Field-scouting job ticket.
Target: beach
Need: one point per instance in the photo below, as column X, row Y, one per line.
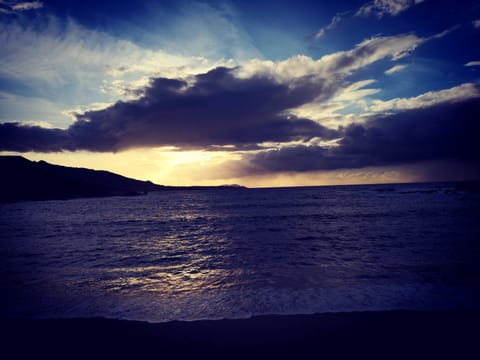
column 391, row 334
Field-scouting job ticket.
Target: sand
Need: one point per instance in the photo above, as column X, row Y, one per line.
column 386, row 335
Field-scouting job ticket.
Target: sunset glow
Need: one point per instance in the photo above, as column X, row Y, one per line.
column 220, row 92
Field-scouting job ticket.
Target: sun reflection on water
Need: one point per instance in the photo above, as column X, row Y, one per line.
column 191, row 255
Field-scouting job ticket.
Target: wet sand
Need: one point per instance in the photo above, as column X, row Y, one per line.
column 387, row 335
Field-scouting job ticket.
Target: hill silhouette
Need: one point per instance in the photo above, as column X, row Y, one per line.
column 23, row 179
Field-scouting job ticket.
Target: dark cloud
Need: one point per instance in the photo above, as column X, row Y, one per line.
column 218, row 109
column 443, row 132
column 23, row 138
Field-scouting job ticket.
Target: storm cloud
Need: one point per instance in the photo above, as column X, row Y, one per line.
column 447, row 131
column 215, row 108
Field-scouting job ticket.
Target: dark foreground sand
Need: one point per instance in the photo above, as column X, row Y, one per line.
column 383, row 335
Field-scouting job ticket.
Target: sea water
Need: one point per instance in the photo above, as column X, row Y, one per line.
column 235, row 253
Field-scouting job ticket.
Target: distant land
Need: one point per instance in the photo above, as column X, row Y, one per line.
column 23, row 180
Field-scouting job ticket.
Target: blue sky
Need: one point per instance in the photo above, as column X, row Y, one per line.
column 259, row 93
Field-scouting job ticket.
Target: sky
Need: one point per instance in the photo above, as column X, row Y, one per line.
column 257, row 93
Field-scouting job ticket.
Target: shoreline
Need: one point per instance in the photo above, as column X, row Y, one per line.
column 382, row 334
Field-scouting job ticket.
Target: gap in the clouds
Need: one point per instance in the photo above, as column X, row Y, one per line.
column 445, row 58
column 420, row 75
column 188, row 168
column 352, row 109
column 16, row 87
column 163, row 166
column 400, row 84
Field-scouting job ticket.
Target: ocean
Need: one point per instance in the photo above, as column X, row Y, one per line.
column 236, row 253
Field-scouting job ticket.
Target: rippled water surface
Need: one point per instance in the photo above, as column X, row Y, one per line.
column 240, row 252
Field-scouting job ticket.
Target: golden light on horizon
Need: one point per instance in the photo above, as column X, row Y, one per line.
column 167, row 166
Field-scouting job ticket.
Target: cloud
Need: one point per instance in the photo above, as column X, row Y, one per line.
column 444, row 33
column 336, row 65
column 455, row 94
column 333, row 23
column 65, row 62
column 10, row 7
column 326, row 112
column 23, row 6
column 443, row 132
column 476, row 24
column 57, row 54
column 378, row 8
column 218, row 109
column 241, row 106
column 395, row 69
column 23, row 138
column 381, row 8
column 473, row 63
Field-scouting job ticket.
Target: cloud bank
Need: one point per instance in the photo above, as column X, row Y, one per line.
column 218, row 109
column 447, row 131
column 455, row 94
column 251, row 108
column 226, row 106
column 73, row 65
